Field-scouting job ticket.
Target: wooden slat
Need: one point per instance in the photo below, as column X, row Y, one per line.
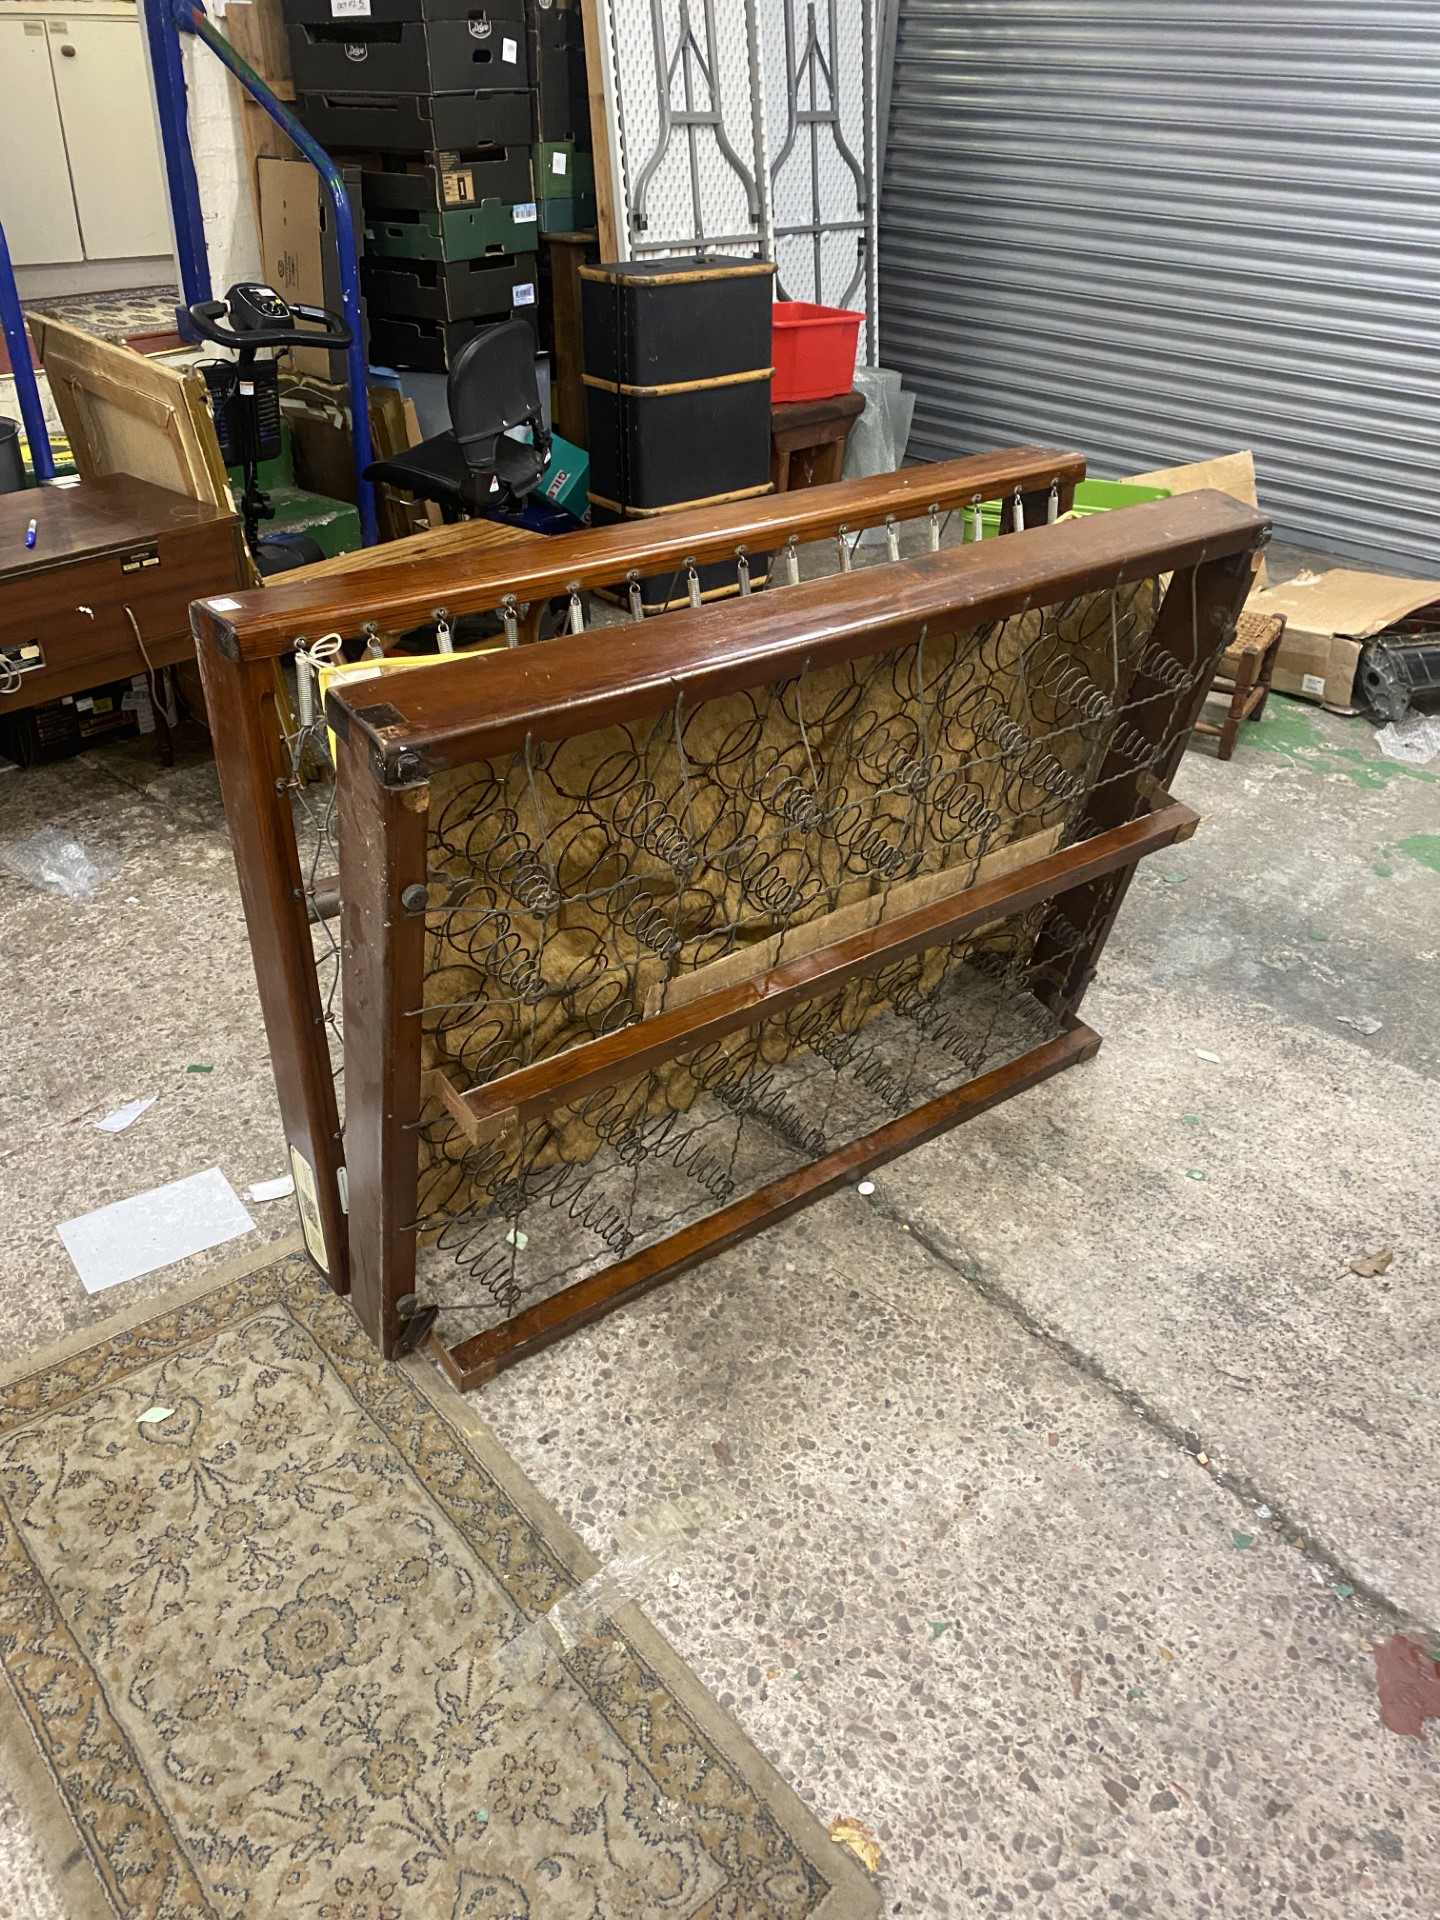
column 398, row 586
column 382, row 857
column 478, row 1359
column 245, row 730
column 466, row 710
column 565, row 1078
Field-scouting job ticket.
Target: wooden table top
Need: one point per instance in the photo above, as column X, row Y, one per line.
column 96, row 517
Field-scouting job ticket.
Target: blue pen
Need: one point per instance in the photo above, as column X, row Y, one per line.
column 30, row 534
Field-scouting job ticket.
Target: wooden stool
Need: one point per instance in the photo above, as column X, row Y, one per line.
column 807, row 440
column 1245, row 670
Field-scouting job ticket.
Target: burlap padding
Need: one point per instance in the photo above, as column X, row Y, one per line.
column 583, row 876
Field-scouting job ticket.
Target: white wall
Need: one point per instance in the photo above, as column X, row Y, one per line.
column 231, row 239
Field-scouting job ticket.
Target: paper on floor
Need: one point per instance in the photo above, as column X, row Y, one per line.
column 153, row 1229
column 125, row 1116
column 271, row 1189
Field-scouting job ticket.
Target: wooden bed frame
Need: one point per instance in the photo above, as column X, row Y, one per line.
column 407, row 740
column 478, row 567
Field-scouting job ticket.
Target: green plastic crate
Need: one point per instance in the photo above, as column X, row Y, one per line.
column 562, row 172
column 1091, row 496
column 459, row 233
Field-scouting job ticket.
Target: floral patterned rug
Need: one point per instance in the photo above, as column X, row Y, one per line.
column 277, row 1636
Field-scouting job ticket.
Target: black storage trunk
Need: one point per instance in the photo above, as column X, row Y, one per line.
column 410, row 56
column 661, row 322
column 441, row 181
column 679, row 449
column 416, row 122
column 562, row 94
column 427, row 346
column 448, row 290
column 677, row 377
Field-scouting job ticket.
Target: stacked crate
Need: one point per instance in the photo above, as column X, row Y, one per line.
column 564, row 169
column 433, row 97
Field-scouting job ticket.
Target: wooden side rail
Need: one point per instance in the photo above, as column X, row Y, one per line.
column 478, row 1359
column 404, row 591
column 463, row 710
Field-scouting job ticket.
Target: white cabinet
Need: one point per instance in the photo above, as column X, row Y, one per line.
column 104, row 95
column 80, row 170
column 37, row 204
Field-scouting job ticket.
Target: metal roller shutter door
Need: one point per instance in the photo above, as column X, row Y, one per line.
column 1163, row 230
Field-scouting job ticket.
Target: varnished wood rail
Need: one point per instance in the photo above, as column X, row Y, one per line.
column 405, row 591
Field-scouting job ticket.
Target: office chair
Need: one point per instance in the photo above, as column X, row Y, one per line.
column 476, row 466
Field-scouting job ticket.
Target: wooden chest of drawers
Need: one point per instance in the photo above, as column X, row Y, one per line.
column 101, row 549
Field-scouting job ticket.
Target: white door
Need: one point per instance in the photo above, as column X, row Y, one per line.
column 36, row 204
column 104, row 94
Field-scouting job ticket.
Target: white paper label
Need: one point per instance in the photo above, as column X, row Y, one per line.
column 349, row 9
column 510, row 50
column 559, row 162
column 222, row 606
column 523, row 295
column 308, row 1201
column 1312, row 683
column 525, row 211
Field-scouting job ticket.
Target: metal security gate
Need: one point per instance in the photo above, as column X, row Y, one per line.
column 1158, row 230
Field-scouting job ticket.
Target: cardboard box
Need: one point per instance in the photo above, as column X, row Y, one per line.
column 1328, row 617
column 298, row 247
column 1232, row 473
column 566, row 481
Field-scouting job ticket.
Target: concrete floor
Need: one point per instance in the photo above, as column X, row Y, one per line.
column 963, row 1575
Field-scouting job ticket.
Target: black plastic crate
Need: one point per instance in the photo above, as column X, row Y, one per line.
column 484, row 55
column 443, row 181
column 416, row 122
column 427, row 346
column 442, row 290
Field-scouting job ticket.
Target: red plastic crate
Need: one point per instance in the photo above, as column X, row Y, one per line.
column 814, row 351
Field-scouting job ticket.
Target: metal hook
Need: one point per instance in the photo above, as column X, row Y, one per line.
column 1017, row 513
column 637, row 604
column 692, row 582
column 1052, row 512
column 843, row 548
column 934, row 529
column 510, row 618
column 892, row 537
column 792, row 561
column 444, row 639
column 577, row 612
column 977, row 519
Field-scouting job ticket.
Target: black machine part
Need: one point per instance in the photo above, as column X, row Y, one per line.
column 260, row 320
column 1397, row 669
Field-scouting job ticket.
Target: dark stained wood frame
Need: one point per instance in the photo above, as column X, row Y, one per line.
column 240, row 639
column 451, row 716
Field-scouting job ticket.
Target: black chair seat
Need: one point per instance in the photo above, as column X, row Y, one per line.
column 436, row 470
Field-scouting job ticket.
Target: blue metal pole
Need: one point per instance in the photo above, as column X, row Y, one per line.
column 168, row 70
column 190, row 18
column 27, row 392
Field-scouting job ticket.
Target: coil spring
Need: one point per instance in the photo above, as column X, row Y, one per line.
column 760, row 1099
column 1172, row 674
column 523, row 875
column 1131, row 744
column 651, row 825
column 1069, row 686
